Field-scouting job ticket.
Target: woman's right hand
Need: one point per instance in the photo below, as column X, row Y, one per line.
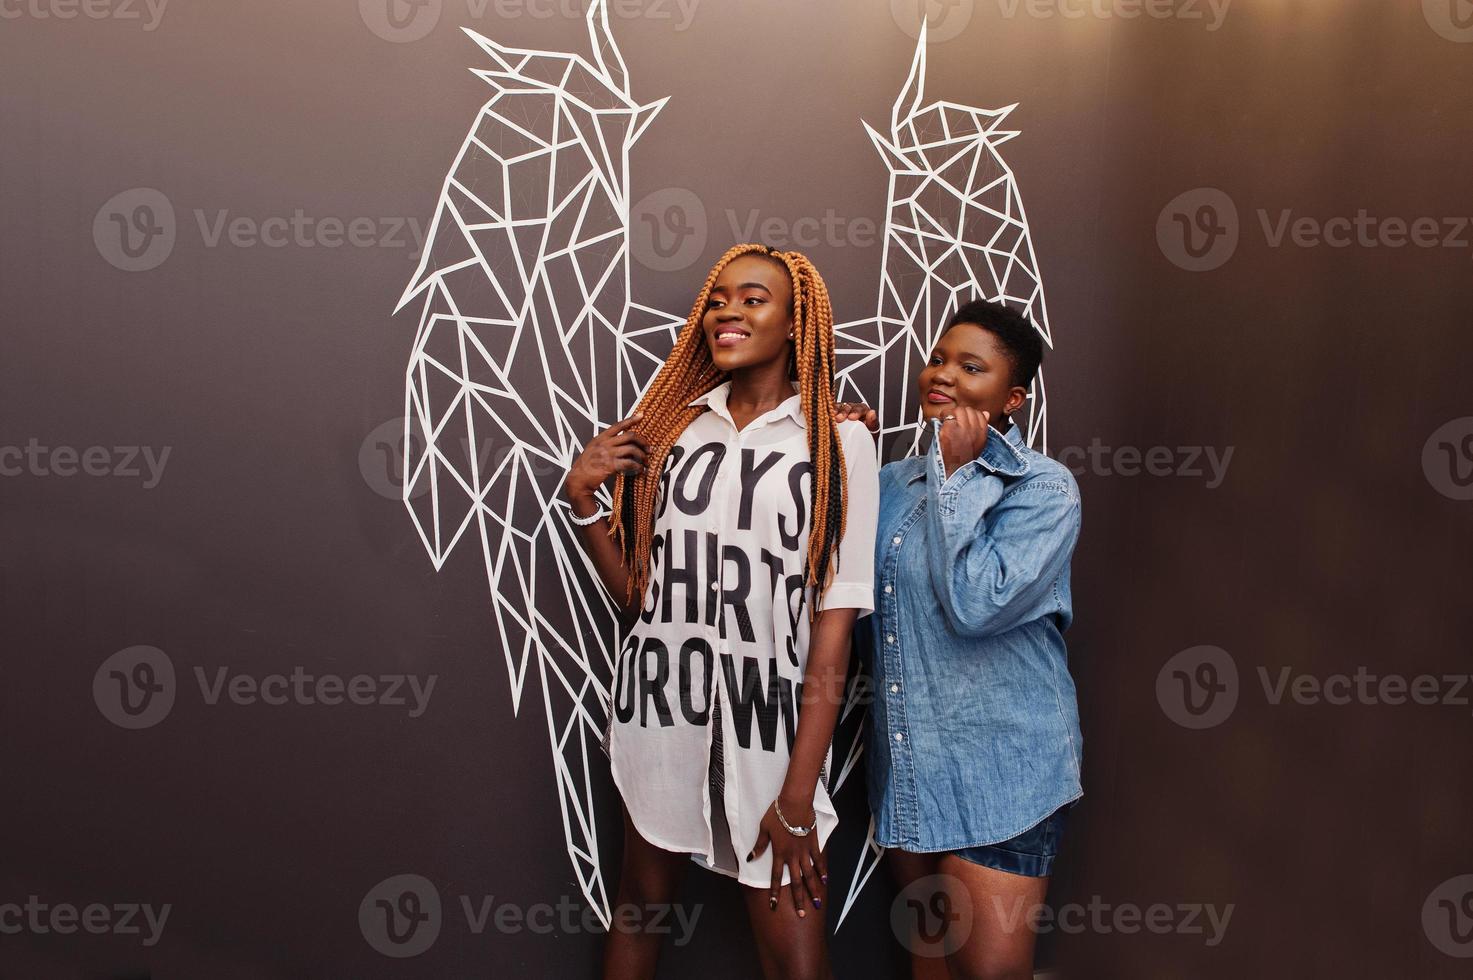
column 617, row 449
column 857, row 412
column 963, row 436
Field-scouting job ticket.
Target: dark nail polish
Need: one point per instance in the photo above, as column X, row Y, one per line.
column 772, row 904
column 818, row 903
column 750, row 855
column 824, row 879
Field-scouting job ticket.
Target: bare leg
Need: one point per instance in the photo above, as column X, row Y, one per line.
column 1000, row 943
column 906, row 869
column 650, row 876
column 789, row 948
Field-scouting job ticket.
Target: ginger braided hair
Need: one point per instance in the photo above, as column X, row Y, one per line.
column 689, row 373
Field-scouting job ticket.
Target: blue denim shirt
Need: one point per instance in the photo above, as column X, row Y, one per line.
column 973, row 736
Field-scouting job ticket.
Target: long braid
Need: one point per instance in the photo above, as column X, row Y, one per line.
column 689, row 373
column 813, row 332
column 686, row 374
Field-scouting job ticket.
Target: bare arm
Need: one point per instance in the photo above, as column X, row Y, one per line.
column 824, row 676
column 618, row 449
column 823, row 694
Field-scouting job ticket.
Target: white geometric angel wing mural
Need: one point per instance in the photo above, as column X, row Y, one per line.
column 529, row 340
column 955, row 231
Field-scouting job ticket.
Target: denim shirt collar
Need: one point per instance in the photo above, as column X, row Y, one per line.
column 1002, row 455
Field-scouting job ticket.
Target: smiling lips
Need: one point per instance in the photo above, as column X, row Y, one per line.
column 937, row 398
column 730, row 336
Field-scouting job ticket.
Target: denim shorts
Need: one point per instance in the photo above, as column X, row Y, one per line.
column 1031, row 853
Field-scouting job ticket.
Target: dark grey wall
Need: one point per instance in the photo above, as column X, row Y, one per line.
column 272, row 539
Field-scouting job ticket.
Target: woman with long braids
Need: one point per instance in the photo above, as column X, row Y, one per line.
column 739, row 546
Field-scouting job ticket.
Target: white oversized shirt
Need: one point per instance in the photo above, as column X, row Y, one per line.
column 720, row 619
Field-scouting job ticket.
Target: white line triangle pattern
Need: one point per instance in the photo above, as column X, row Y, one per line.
column 529, row 343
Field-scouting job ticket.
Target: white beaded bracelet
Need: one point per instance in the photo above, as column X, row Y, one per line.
column 591, row 518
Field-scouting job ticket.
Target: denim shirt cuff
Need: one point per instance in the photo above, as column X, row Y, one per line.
column 999, row 458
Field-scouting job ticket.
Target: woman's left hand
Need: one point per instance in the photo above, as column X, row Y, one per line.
column 801, row 856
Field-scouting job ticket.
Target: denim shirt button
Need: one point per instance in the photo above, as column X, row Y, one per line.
column 900, row 736
column 894, row 688
column 895, row 540
column 888, row 589
column 890, row 638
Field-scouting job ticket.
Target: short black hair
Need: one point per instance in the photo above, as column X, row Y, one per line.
column 1014, row 331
